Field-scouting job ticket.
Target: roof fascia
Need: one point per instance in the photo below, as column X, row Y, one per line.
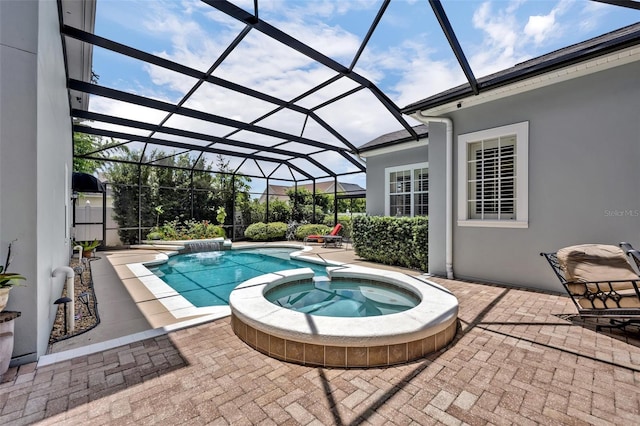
column 391, row 147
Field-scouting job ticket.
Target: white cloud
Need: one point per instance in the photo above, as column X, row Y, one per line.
column 591, row 15
column 540, row 27
column 498, row 48
column 509, row 39
column 409, row 71
column 423, row 76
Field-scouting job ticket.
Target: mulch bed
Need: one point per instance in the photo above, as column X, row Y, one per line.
column 86, row 316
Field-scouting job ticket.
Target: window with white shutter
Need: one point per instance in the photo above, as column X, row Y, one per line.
column 492, row 173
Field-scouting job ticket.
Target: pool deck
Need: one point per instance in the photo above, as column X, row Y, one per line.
column 518, row 358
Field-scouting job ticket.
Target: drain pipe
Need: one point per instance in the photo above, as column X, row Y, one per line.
column 70, row 319
column 448, row 187
column 79, row 248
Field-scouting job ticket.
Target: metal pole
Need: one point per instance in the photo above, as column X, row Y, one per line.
column 139, row 203
column 295, row 199
column 191, row 192
column 313, row 206
column 233, row 206
column 335, row 200
column 104, row 216
column 266, row 219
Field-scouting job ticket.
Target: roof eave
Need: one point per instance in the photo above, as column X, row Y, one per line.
column 392, row 146
column 80, row 14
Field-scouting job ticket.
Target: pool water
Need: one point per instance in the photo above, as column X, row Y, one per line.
column 207, row 278
column 342, row 298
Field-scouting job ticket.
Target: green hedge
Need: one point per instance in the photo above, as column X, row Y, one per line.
column 397, row 241
column 260, row 231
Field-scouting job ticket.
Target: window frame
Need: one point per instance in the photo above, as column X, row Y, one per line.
column 521, row 132
column 411, row 168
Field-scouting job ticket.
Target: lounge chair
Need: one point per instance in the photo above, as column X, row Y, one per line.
column 634, row 255
column 332, row 236
column 600, row 282
column 332, row 240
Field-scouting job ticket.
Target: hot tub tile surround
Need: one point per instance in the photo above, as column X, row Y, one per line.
column 344, row 342
column 343, row 356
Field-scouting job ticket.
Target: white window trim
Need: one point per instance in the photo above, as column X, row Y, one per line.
column 388, row 171
column 521, row 130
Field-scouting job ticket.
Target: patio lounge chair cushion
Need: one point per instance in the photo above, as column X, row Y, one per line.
column 596, row 263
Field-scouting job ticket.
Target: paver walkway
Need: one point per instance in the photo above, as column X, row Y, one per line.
column 515, row 360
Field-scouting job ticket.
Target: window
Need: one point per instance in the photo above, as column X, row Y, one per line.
column 407, row 190
column 493, row 177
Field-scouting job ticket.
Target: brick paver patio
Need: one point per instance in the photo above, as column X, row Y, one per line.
column 516, row 360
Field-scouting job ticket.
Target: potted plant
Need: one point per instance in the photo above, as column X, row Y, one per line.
column 7, row 280
column 87, row 247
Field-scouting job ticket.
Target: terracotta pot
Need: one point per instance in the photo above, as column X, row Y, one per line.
column 4, row 297
column 87, row 253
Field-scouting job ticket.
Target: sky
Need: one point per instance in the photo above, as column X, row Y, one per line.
column 408, row 58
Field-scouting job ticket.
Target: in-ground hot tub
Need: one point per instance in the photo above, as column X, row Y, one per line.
column 332, row 341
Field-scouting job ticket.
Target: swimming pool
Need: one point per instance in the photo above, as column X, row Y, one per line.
column 207, row 278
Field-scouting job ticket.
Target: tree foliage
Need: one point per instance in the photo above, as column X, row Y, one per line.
column 84, row 144
column 94, row 146
column 229, row 187
column 279, row 211
column 353, row 205
column 301, row 202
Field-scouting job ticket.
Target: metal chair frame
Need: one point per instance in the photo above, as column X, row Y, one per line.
column 619, row 316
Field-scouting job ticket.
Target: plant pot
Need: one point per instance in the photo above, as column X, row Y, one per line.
column 87, row 253
column 4, row 297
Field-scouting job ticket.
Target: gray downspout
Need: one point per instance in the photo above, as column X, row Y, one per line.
column 448, row 187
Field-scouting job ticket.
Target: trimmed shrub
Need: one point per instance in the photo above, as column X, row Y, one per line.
column 400, row 241
column 311, row 229
column 203, row 229
column 260, row 231
column 154, row 236
column 188, row 230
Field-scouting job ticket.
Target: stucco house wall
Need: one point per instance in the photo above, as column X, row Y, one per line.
column 375, row 174
column 584, row 152
column 35, row 166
